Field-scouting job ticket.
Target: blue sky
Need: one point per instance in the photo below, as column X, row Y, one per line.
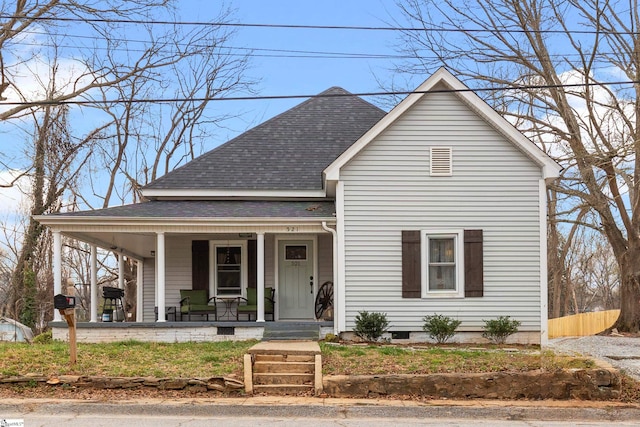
column 279, row 75
column 292, row 76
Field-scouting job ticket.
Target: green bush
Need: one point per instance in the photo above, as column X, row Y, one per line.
column 440, row 328
column 331, row 338
column 43, row 338
column 371, row 326
column 499, row 329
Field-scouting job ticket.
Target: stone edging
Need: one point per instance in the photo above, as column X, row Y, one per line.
column 221, row 384
column 585, row 384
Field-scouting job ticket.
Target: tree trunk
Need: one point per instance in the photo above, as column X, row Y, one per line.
column 629, row 320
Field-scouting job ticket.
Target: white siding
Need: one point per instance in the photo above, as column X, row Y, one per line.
column 149, row 292
column 178, row 262
column 494, row 187
column 325, row 258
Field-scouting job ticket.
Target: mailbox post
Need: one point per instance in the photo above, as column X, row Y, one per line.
column 67, row 307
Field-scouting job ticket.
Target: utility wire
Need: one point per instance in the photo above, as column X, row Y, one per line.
column 277, row 53
column 334, row 95
column 307, row 27
column 272, row 53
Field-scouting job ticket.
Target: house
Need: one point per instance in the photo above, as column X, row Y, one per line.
column 438, row 206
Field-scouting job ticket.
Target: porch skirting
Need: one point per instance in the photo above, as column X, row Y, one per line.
column 99, row 332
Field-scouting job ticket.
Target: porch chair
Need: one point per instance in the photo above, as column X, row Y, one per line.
column 196, row 302
column 249, row 305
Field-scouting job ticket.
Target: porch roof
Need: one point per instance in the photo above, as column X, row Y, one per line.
column 210, row 209
column 132, row 228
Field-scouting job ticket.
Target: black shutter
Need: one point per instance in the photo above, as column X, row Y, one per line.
column 473, row 264
column 411, row 281
column 200, row 264
column 252, row 259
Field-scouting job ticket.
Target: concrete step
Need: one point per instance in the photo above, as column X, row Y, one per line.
column 283, row 379
column 284, row 358
column 281, row 389
column 284, row 367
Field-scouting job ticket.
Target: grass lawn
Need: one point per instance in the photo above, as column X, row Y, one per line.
column 357, row 360
column 126, row 359
column 202, row 360
column 133, row 358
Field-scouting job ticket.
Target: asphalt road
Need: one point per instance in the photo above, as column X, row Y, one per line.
column 154, row 421
column 313, row 412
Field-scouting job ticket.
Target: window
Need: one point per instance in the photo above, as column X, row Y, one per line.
column 229, row 274
column 468, row 264
column 442, row 264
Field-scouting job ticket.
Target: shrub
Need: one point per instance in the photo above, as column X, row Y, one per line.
column 43, row 338
column 499, row 329
column 371, row 326
column 440, row 327
column 331, row 338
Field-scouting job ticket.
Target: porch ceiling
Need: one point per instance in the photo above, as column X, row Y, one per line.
column 135, row 245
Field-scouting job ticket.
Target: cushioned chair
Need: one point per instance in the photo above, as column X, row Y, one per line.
column 196, row 302
column 249, row 305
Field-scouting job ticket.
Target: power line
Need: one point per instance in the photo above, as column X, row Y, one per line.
column 277, row 53
column 308, row 27
column 282, row 97
column 286, row 53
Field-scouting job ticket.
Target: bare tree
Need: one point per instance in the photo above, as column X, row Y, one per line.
column 56, row 162
column 553, row 67
column 110, row 60
column 594, row 273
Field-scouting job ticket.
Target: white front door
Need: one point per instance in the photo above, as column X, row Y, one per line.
column 295, row 279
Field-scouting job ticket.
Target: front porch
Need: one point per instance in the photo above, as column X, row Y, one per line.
column 170, row 332
column 233, row 251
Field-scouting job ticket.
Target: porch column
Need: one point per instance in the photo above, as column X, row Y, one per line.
column 94, row 283
column 120, row 271
column 139, row 290
column 260, row 276
column 57, row 270
column 160, row 270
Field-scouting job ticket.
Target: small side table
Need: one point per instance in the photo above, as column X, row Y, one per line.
column 229, row 304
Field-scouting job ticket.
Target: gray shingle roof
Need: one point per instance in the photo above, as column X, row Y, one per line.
column 287, row 152
column 214, row 209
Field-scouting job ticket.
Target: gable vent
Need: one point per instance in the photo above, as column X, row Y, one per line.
column 440, row 161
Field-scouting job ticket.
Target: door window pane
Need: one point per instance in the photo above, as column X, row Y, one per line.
column 295, row 252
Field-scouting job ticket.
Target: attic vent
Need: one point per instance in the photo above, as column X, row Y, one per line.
column 440, row 161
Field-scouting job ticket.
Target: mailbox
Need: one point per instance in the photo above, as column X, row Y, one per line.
column 62, row 302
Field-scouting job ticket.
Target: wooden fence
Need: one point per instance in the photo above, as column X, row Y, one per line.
column 583, row 324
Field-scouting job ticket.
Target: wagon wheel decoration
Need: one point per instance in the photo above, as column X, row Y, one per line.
column 324, row 298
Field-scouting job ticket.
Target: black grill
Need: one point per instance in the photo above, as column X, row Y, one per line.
column 109, row 292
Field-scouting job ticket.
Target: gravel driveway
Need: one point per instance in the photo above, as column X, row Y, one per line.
column 621, row 352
